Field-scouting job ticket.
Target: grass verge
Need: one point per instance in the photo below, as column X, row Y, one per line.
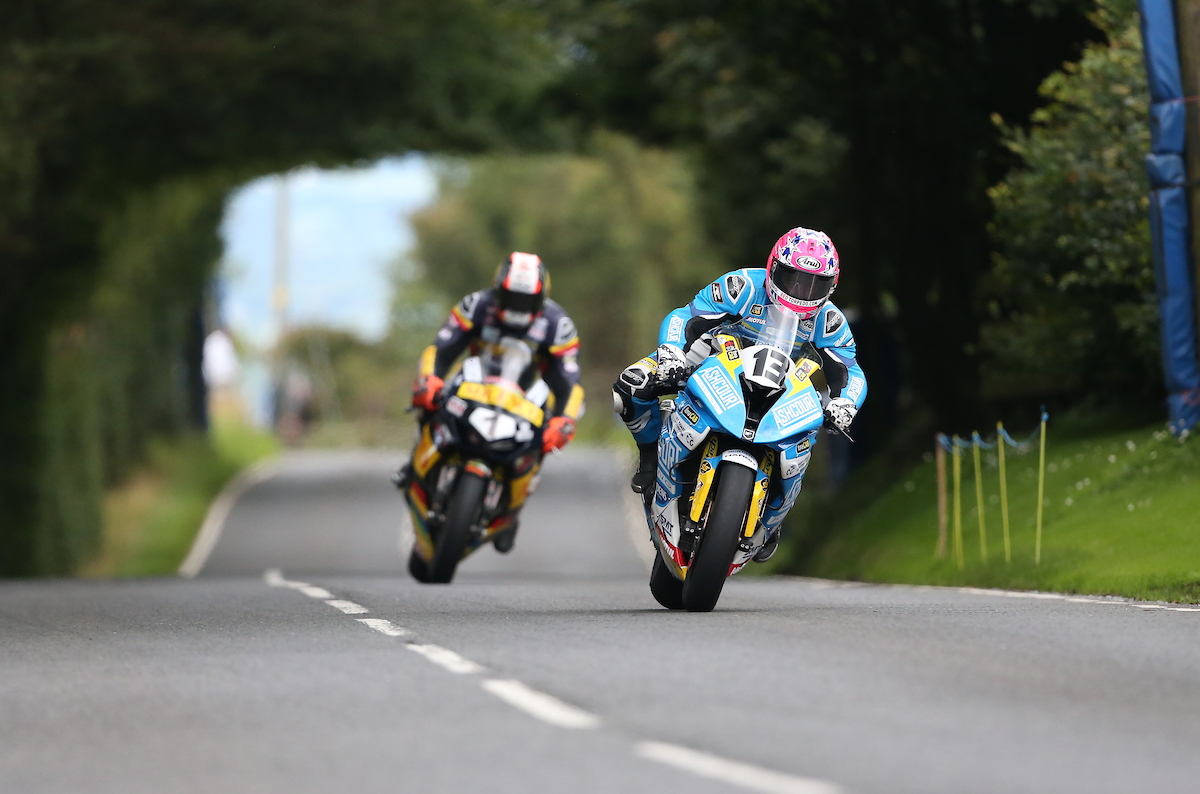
column 1121, row 517
column 151, row 520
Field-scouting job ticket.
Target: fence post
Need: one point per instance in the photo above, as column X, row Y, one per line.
column 983, row 553
column 1037, row 550
column 940, row 454
column 958, row 542
column 1003, row 492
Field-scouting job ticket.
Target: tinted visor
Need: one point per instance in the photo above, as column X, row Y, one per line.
column 520, row 302
column 801, row 285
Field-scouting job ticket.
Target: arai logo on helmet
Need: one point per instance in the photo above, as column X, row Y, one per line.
column 810, row 263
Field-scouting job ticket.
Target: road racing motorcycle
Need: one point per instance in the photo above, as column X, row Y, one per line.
column 732, row 453
column 476, row 462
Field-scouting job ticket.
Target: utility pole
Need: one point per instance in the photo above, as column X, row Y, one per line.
column 279, row 292
column 1187, row 22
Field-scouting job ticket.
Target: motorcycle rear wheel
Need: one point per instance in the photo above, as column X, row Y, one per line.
column 719, row 541
column 666, row 589
column 465, row 503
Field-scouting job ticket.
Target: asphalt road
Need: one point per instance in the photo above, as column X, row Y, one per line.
column 552, row 669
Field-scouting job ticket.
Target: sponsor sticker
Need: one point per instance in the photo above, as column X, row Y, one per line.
column 718, row 389
column 675, row 328
column 833, row 320
column 792, row 414
column 716, row 292
column 456, row 406
column 731, row 350
column 689, row 413
column 803, row 446
column 756, row 310
column 734, row 286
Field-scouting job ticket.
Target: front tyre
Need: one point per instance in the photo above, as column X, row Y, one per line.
column 455, row 534
column 418, row 568
column 719, row 541
column 666, row 589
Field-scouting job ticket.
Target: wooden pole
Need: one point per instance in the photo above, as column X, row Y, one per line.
column 1003, row 492
column 979, row 500
column 958, row 541
column 940, row 453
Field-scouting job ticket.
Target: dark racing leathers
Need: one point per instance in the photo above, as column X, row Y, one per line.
column 473, row 326
column 737, row 300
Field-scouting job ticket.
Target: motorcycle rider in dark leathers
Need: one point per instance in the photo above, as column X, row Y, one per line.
column 516, row 306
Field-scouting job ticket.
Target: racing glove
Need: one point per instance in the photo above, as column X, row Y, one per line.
column 672, row 365
column 427, row 392
column 558, row 433
column 840, row 412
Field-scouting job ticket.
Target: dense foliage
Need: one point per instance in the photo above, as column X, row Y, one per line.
column 1072, row 293
column 104, row 101
column 617, row 228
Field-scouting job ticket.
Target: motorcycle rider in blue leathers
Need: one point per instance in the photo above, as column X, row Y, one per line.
column 801, row 274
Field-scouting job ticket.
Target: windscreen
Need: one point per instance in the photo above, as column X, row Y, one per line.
column 779, row 329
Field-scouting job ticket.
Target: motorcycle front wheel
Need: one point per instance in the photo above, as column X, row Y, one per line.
column 465, row 503
column 719, row 540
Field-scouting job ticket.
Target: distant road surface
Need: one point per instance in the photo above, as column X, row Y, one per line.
column 303, row 659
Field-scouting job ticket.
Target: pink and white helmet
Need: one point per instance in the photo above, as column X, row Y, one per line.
column 802, row 271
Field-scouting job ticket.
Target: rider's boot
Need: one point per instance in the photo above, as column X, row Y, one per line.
column 647, row 470
column 403, row 477
column 504, row 541
column 768, row 549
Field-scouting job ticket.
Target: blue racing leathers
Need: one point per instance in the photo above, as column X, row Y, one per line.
column 738, row 300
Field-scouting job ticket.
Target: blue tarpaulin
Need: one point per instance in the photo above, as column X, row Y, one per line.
column 1173, row 273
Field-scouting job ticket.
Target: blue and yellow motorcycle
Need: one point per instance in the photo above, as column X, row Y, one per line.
column 732, row 454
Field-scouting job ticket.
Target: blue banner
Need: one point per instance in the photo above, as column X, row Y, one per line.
column 1173, row 272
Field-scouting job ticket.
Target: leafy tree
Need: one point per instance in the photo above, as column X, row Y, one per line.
column 869, row 118
column 617, row 229
column 1073, row 285
column 103, row 101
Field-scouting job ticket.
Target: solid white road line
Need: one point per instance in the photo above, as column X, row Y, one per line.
column 444, row 657
column 214, row 520
column 732, row 772
column 538, row 704
column 383, row 626
column 349, row 607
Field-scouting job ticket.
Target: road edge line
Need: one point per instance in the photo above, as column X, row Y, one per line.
column 214, row 520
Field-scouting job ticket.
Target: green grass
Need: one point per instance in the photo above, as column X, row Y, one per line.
column 1122, row 517
column 151, row 520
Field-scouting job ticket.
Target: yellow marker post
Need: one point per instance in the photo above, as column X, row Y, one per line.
column 979, row 499
column 958, row 544
column 1037, row 546
column 940, row 452
column 1003, row 492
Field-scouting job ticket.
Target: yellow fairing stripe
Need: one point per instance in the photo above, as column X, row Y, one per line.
column 704, row 481
column 760, row 493
column 426, row 453
column 565, row 346
column 492, row 394
column 428, row 361
column 464, row 322
column 575, row 403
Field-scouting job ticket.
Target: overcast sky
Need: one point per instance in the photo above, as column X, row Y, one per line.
column 347, row 226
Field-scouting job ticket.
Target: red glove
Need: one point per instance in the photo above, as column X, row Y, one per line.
column 559, row 432
column 427, row 392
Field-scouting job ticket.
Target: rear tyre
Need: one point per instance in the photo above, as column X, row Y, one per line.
column 418, row 567
column 719, row 541
column 455, row 533
column 666, row 589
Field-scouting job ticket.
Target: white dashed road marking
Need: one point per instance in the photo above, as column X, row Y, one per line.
column 444, row 657
column 732, row 772
column 384, row 626
column 550, row 709
column 538, row 704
